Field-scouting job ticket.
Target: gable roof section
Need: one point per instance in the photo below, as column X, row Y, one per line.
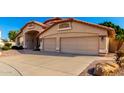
column 111, row 31
column 35, row 22
column 52, row 19
column 57, row 20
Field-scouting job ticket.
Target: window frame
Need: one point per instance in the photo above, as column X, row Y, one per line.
column 67, row 28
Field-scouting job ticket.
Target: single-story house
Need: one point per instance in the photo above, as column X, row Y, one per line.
column 66, row 35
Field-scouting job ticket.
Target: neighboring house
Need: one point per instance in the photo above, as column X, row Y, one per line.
column 1, row 40
column 66, row 36
column 1, row 43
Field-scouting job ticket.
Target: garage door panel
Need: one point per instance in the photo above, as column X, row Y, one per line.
column 80, row 45
column 49, row 44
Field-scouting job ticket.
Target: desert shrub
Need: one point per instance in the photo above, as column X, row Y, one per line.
column 8, row 44
column 36, row 49
column 17, row 47
column 119, row 55
column 5, row 48
column 122, row 63
column 20, row 47
column 106, row 69
column 14, row 47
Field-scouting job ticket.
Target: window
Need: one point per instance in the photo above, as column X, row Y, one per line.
column 65, row 26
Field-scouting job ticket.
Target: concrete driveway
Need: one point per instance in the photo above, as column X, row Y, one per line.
column 44, row 65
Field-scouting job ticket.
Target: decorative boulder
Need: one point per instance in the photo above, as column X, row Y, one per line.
column 122, row 63
column 106, row 69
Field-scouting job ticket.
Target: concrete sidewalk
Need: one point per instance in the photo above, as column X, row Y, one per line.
column 7, row 70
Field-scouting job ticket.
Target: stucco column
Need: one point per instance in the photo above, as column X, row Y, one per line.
column 104, row 44
column 107, row 44
column 16, row 40
column 24, row 42
column 41, row 44
column 58, row 44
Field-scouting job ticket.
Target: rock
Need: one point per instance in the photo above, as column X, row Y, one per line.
column 122, row 63
column 115, row 65
column 106, row 69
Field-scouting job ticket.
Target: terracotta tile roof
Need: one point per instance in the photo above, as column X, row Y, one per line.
column 110, row 30
column 35, row 22
column 52, row 19
column 57, row 20
column 39, row 23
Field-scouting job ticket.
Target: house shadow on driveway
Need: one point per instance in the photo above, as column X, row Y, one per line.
column 46, row 53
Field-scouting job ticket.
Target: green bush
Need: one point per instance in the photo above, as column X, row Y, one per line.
column 8, row 44
column 17, row 47
column 5, row 48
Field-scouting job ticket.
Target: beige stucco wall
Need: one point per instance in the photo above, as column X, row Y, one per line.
column 114, row 44
column 19, row 40
column 76, row 27
column 78, row 30
column 30, row 41
column 22, row 37
column 28, row 29
column 35, row 28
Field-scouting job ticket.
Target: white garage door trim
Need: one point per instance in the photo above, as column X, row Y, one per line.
column 49, row 44
column 67, row 46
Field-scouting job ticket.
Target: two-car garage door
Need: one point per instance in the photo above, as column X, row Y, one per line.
column 75, row 45
column 80, row 45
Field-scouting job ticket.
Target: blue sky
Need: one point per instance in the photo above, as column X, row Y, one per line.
column 16, row 23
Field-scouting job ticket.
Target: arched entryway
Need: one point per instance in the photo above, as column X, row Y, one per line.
column 31, row 42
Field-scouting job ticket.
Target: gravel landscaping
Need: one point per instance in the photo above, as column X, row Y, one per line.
column 9, row 53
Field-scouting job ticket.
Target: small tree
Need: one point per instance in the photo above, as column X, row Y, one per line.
column 12, row 35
